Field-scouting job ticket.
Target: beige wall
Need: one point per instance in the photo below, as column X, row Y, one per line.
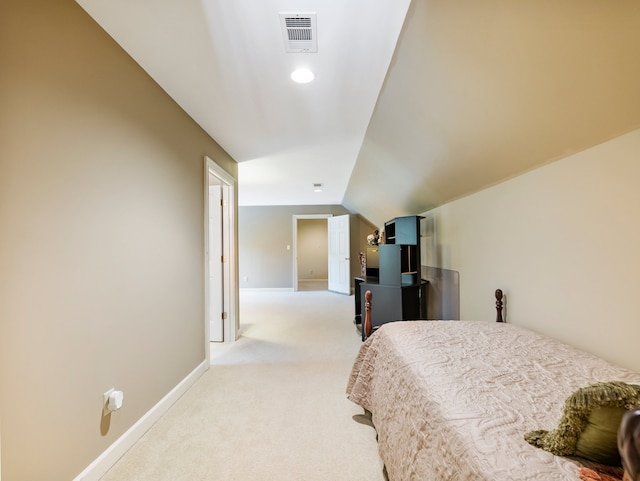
column 101, row 254
column 263, row 236
column 360, row 229
column 312, row 249
column 265, row 232
column 562, row 242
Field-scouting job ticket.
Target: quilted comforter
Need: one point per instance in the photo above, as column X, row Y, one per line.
column 452, row 400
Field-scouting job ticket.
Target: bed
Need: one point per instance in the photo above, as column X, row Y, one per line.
column 453, row 400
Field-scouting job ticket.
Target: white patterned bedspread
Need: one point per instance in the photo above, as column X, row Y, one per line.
column 452, row 400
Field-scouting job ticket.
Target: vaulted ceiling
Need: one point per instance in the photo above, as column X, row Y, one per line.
column 414, row 103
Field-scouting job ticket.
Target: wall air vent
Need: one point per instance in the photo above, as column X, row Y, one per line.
column 299, row 32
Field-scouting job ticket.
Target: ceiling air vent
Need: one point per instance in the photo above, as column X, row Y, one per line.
column 299, row 32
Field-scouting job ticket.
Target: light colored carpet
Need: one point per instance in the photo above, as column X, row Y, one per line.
column 271, row 407
column 313, row 285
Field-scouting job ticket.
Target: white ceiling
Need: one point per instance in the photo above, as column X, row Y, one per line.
column 415, row 102
column 224, row 62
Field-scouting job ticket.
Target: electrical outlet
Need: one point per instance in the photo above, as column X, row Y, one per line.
column 112, row 401
column 105, row 399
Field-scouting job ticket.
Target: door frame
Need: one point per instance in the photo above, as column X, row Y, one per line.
column 295, row 241
column 228, row 184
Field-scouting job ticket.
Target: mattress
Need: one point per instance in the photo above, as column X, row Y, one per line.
column 452, row 400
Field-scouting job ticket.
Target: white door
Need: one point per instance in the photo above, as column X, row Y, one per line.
column 339, row 261
column 222, row 321
column 216, row 274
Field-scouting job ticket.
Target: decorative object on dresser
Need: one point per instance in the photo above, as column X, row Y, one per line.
column 373, row 239
column 455, row 399
column 363, row 263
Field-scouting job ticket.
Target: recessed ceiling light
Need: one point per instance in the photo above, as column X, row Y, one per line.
column 302, row 75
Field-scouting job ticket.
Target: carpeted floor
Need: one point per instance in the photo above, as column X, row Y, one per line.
column 271, row 407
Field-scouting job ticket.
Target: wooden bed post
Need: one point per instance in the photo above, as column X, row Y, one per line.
column 367, row 314
column 499, row 306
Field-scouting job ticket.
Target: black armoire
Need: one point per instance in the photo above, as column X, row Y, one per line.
column 398, row 291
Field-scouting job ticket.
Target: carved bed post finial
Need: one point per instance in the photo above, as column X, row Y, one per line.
column 499, row 305
column 367, row 314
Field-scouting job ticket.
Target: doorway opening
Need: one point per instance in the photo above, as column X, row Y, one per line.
column 221, row 265
column 310, row 252
column 333, row 252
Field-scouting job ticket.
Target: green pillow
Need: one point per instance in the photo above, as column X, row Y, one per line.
column 589, row 424
column 599, row 438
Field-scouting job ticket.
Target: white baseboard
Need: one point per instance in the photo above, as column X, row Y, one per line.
column 113, row 453
column 266, row 289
